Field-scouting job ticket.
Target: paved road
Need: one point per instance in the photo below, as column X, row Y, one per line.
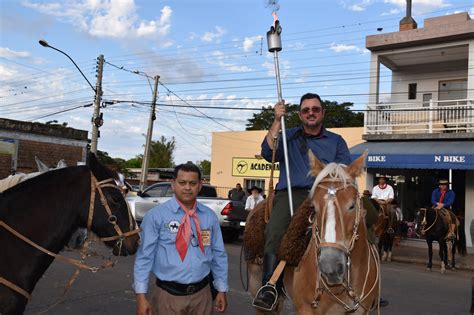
column 409, row 288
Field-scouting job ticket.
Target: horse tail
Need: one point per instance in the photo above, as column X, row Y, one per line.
column 461, row 242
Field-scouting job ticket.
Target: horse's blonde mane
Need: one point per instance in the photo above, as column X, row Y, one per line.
column 333, row 171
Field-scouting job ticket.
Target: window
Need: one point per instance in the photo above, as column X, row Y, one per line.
column 156, row 191
column 254, row 182
column 412, row 91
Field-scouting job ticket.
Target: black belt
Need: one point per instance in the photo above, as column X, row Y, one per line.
column 180, row 289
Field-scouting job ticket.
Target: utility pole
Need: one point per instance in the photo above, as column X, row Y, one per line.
column 97, row 120
column 151, row 120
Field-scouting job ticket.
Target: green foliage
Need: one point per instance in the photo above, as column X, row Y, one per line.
column 205, row 166
column 161, row 152
column 337, row 115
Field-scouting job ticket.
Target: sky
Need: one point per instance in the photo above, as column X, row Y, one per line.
column 211, row 55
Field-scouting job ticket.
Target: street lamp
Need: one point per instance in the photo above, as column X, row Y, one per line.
column 97, row 119
column 44, row 43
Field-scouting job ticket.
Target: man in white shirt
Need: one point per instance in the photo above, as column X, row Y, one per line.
column 254, row 198
column 383, row 192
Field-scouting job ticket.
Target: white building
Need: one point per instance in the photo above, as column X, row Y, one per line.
column 425, row 130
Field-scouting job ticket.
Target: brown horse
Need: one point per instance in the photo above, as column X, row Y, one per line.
column 385, row 229
column 339, row 272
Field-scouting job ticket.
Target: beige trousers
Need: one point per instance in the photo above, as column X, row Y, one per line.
column 200, row 303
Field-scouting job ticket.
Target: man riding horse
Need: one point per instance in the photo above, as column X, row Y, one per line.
column 443, row 198
column 310, row 135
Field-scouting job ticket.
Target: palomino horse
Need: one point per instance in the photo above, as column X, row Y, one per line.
column 339, row 271
column 38, row 217
column 385, row 228
column 430, row 224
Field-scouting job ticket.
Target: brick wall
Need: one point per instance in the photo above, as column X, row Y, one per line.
column 48, row 153
column 5, row 165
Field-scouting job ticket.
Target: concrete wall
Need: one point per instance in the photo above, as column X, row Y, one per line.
column 427, row 82
column 469, row 215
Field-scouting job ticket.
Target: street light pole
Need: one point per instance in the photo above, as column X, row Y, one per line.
column 97, row 120
column 149, row 134
column 44, row 43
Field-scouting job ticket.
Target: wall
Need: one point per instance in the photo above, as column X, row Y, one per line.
column 469, row 215
column 246, row 144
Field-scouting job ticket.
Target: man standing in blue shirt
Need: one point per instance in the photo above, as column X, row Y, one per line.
column 181, row 243
column 327, row 147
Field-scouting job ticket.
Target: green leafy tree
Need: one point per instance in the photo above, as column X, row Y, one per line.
column 337, row 115
column 162, row 152
column 135, row 162
column 205, row 166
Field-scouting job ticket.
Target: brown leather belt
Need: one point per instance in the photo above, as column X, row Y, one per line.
column 180, row 289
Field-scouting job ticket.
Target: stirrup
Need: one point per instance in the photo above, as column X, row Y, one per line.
column 270, row 288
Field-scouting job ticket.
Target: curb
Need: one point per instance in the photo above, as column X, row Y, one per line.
column 422, row 261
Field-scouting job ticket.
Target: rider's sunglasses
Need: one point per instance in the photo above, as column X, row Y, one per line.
column 314, row 109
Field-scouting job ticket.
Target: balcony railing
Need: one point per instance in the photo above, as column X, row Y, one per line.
column 456, row 116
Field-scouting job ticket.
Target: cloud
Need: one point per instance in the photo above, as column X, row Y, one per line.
column 216, row 36
column 106, row 18
column 357, row 6
column 6, row 52
column 391, row 12
column 220, row 59
column 421, row 6
column 343, row 47
column 249, row 41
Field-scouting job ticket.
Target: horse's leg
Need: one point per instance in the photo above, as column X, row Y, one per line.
column 453, row 254
column 380, row 247
column 429, row 241
column 443, row 254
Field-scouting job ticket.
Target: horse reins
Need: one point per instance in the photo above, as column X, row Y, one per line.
column 424, row 222
column 347, row 249
column 112, row 219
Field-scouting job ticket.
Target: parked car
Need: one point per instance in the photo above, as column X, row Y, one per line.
column 162, row 192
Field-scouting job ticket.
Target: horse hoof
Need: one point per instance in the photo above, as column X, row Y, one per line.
column 428, row 268
column 443, row 271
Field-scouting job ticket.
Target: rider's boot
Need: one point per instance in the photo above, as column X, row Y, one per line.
column 266, row 297
column 451, row 234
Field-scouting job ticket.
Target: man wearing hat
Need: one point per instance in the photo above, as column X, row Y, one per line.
column 443, row 197
column 383, row 192
column 254, row 198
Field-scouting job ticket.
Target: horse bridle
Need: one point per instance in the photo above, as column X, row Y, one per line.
column 347, row 249
column 112, row 219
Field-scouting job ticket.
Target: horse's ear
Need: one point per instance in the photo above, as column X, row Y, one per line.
column 316, row 165
column 358, row 166
column 42, row 168
column 61, row 164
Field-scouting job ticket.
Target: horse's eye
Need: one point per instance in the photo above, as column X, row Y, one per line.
column 352, row 206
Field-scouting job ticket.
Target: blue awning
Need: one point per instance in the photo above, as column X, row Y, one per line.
column 417, row 154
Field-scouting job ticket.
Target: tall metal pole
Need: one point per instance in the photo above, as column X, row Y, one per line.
column 274, row 46
column 97, row 120
column 146, row 155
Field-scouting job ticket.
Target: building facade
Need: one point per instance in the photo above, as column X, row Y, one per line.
column 425, row 130
column 21, row 141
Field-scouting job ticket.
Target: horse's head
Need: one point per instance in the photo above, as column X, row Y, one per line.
column 337, row 215
column 111, row 219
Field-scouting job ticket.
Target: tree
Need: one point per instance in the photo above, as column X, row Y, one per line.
column 337, row 115
column 161, row 152
column 205, row 166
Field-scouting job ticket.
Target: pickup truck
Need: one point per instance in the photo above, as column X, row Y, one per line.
column 228, row 212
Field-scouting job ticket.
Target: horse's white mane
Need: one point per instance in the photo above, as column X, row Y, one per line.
column 334, row 171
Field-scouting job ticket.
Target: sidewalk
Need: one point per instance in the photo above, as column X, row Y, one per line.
column 412, row 251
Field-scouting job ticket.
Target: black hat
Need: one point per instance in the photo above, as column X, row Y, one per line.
column 443, row 181
column 254, row 187
column 366, row 193
column 382, row 176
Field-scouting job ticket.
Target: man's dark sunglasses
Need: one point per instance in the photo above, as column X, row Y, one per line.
column 314, row 109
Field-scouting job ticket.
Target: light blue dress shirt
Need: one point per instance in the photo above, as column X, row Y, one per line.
column 158, row 254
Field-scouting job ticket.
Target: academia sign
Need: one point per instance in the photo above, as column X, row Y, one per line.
column 251, row 167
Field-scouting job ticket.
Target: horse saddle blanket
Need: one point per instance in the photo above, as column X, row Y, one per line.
column 448, row 216
column 294, row 242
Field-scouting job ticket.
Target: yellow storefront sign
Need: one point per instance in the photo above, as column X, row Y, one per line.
column 251, row 167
